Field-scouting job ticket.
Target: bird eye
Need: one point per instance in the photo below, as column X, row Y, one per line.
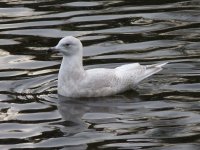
column 67, row 44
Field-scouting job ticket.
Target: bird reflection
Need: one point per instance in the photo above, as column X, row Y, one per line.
column 79, row 113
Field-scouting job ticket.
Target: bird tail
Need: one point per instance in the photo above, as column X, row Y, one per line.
column 150, row 70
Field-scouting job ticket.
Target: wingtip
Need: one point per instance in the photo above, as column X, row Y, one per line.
column 162, row 64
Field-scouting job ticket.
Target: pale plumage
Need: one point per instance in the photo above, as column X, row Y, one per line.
column 74, row 81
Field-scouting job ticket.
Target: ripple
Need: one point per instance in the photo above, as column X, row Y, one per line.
column 8, row 42
column 45, row 32
column 82, row 4
column 18, row 12
column 22, row 62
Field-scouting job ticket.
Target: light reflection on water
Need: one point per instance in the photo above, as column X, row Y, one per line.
column 163, row 112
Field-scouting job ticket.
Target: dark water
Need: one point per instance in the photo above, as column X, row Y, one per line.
column 162, row 114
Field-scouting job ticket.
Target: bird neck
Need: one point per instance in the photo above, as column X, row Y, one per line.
column 71, row 67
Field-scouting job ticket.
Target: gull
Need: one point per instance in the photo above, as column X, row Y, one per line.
column 76, row 82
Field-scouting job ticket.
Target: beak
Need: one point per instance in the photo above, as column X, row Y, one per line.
column 52, row 50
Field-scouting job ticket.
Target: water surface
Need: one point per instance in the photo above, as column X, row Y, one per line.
column 161, row 114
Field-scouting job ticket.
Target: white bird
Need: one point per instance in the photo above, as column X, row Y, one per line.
column 74, row 81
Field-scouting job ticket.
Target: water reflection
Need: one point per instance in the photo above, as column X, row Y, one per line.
column 127, row 118
column 77, row 111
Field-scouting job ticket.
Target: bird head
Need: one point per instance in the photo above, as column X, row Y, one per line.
column 68, row 46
